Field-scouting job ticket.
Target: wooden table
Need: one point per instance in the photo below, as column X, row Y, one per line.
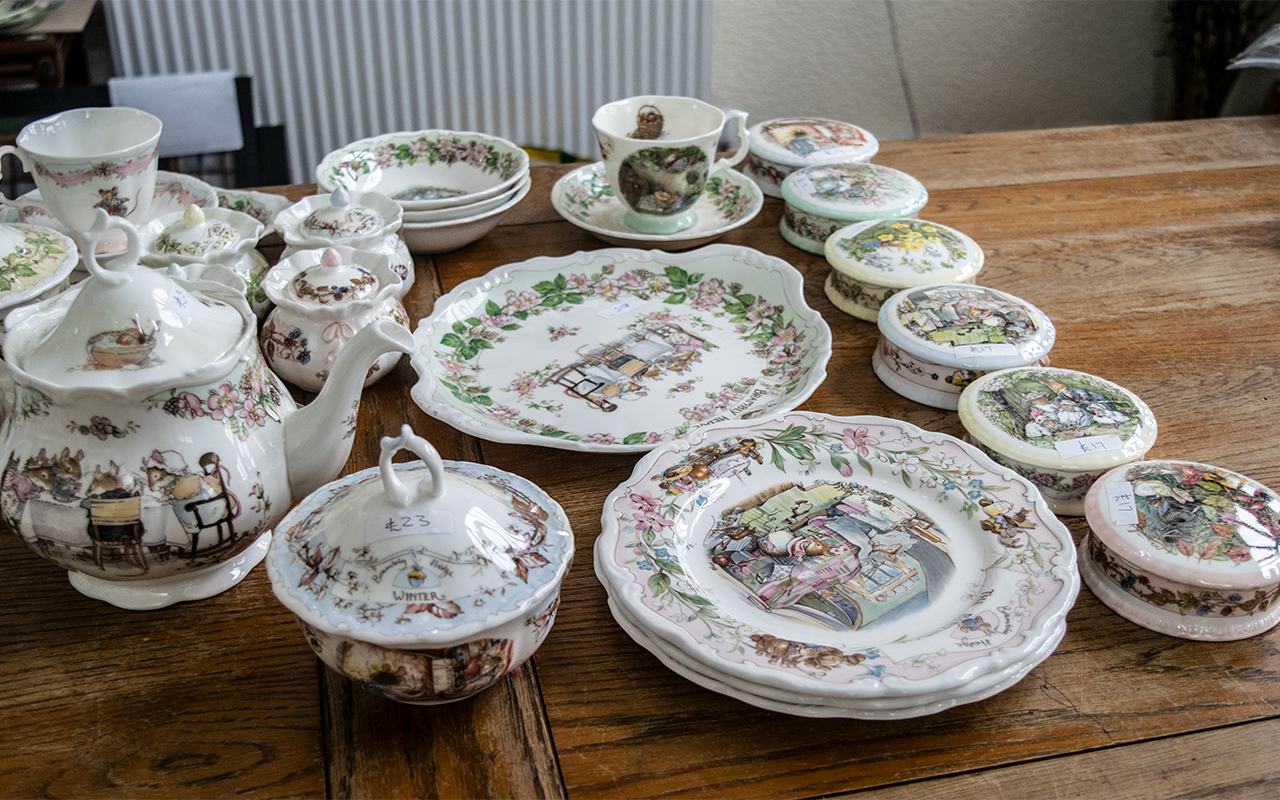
column 1156, row 251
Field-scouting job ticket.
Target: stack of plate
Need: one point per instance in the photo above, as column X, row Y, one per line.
column 836, row 566
column 454, row 186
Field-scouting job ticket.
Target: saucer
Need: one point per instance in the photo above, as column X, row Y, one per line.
column 585, row 198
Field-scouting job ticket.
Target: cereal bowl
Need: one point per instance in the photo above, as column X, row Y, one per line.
column 424, row 170
column 450, row 234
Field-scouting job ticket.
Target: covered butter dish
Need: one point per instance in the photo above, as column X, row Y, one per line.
column 1184, row 549
column 323, row 298
column 148, row 448
column 1058, row 428
column 821, row 200
column 365, row 220
column 423, row 582
column 781, row 146
column 196, row 238
column 872, row 260
column 935, row 340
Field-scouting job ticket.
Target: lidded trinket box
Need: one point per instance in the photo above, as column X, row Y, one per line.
column 1058, row 428
column 872, row 260
column 197, row 238
column 821, row 200
column 35, row 263
column 936, row 340
column 323, row 298
column 1185, row 549
column 781, row 146
column 367, row 221
column 423, row 582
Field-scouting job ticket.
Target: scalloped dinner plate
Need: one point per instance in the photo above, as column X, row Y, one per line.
column 847, row 558
column 619, row 350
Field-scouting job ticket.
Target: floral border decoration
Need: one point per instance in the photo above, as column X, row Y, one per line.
column 648, row 524
column 446, row 150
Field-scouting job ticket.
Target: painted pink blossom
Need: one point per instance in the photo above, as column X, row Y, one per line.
column 633, row 280
column 608, row 288
column 579, row 282
column 523, row 385
column 100, row 427
column 654, row 522
column 190, row 406
column 845, row 469
column 601, row 438
column 496, row 321
column 653, row 438
column 644, row 499
column 759, row 311
column 522, row 301
column 785, row 336
column 452, row 366
column 222, row 402
column 382, row 155
column 253, row 413
column 859, row 440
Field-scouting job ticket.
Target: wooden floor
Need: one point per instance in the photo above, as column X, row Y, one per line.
column 1154, row 248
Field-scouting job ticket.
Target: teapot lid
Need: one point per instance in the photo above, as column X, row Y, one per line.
column 342, row 219
column 429, row 552
column 128, row 329
column 33, row 259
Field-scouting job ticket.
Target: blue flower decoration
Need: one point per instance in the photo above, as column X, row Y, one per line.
column 644, row 565
column 877, row 671
column 663, row 553
column 975, row 494
column 948, row 485
column 975, row 482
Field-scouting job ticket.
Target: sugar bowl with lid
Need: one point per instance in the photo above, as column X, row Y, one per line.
column 423, row 582
column 367, row 221
column 197, row 238
column 1058, row 428
column 782, row 146
column 1185, row 549
column 323, row 298
column 823, row 199
column 148, row 448
column 872, row 260
column 935, row 340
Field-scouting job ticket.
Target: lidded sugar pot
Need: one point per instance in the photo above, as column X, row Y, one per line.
column 148, row 447
column 423, row 582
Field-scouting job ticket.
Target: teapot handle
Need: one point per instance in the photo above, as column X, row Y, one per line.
column 398, row 494
column 111, row 272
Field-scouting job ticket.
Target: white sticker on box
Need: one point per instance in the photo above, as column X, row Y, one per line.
column 1121, row 504
column 802, row 184
column 409, row 522
column 834, row 152
column 621, row 307
column 1088, row 445
column 990, row 349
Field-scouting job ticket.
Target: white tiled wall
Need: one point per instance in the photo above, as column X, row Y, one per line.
column 904, row 68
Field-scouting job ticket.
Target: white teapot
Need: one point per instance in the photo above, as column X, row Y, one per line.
column 149, row 448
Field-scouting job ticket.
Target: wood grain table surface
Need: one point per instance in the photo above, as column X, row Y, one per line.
column 1154, row 248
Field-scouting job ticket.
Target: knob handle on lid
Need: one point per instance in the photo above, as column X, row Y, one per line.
column 398, row 494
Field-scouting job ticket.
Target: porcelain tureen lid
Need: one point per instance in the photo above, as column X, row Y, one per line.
column 966, row 327
column 897, row 253
column 428, row 552
column 339, row 279
column 1188, row 522
column 33, row 259
column 339, row 218
column 1057, row 418
column 806, row 141
column 128, row 329
column 854, row 191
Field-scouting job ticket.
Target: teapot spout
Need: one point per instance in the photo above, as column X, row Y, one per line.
column 318, row 436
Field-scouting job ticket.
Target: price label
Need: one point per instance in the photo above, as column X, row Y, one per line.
column 1088, row 445
column 622, row 307
column 835, row 152
column 1121, row 504
column 803, row 185
column 968, row 350
column 176, row 310
column 408, row 522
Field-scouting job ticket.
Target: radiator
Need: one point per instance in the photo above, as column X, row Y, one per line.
column 333, row 71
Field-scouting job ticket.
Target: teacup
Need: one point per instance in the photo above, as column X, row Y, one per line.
column 659, row 153
column 91, row 158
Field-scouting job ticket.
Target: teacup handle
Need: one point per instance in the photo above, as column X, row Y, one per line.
column 398, row 494
column 111, row 272
column 738, row 118
column 5, row 150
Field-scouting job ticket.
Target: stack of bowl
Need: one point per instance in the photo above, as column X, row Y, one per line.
column 454, row 186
